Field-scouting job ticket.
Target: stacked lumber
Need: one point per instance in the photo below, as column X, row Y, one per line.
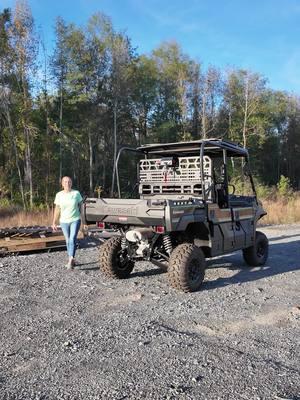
column 29, row 238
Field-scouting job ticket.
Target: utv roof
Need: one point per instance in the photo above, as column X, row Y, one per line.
column 212, row 147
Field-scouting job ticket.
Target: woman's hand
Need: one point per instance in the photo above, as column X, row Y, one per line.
column 54, row 227
column 55, row 218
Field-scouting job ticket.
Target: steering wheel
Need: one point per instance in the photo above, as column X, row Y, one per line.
column 233, row 188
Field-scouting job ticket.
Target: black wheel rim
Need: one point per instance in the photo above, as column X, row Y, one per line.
column 194, row 271
column 261, row 250
column 122, row 260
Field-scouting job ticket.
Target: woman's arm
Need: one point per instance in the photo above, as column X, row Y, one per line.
column 84, row 228
column 55, row 217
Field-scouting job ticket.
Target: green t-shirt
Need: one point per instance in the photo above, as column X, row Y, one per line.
column 68, row 203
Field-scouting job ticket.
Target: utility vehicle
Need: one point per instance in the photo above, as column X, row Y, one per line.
column 187, row 211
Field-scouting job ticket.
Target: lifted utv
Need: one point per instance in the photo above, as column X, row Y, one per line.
column 184, row 215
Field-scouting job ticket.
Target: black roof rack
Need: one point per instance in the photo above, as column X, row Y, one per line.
column 213, row 147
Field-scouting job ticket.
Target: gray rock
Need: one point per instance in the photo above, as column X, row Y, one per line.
column 78, row 335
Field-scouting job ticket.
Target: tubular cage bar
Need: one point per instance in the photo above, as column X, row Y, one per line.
column 191, row 175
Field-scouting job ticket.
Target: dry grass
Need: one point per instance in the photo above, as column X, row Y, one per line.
column 13, row 217
column 279, row 212
column 282, row 211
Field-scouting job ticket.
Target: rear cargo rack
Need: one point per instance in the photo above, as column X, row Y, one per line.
column 158, row 178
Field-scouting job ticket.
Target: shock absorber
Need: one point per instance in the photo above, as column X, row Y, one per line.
column 123, row 243
column 167, row 244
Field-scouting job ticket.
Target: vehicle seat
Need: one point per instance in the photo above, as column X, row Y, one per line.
column 221, row 196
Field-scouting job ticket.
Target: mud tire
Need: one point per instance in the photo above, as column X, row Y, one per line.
column 258, row 253
column 110, row 259
column 186, row 267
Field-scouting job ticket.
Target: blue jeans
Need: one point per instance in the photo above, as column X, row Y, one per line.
column 70, row 231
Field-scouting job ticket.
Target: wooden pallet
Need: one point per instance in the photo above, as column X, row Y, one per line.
column 22, row 244
column 28, row 231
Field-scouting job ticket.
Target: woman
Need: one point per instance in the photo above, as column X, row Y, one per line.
column 67, row 205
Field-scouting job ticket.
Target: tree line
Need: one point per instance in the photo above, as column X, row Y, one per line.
column 68, row 112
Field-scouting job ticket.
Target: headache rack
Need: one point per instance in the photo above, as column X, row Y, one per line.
column 173, row 176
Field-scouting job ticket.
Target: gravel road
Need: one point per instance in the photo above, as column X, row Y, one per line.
column 77, row 335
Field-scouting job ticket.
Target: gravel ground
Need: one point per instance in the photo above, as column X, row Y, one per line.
column 77, row 335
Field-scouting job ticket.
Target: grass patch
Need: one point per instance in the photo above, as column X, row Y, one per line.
column 282, row 211
column 13, row 217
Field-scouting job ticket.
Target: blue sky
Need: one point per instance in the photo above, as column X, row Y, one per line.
column 261, row 35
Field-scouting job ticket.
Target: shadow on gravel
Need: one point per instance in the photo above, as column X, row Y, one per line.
column 148, row 272
column 88, row 242
column 90, row 266
column 283, row 257
column 282, row 237
column 78, row 264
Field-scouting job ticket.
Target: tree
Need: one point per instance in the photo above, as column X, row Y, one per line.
column 267, row 152
column 120, row 58
column 244, row 99
column 7, row 80
column 210, row 89
column 291, row 142
column 59, row 66
column 5, row 68
column 144, row 75
column 105, row 96
column 24, row 42
column 195, row 100
column 171, row 112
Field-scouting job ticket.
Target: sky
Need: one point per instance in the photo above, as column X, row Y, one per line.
column 260, row 35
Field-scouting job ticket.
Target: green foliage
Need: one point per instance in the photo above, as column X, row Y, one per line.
column 243, row 187
column 165, row 132
column 106, row 96
column 284, row 187
column 265, row 192
column 5, row 203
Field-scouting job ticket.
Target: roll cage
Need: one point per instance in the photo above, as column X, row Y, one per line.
column 187, row 158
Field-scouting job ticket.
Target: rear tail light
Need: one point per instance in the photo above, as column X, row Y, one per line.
column 159, row 229
column 101, row 225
